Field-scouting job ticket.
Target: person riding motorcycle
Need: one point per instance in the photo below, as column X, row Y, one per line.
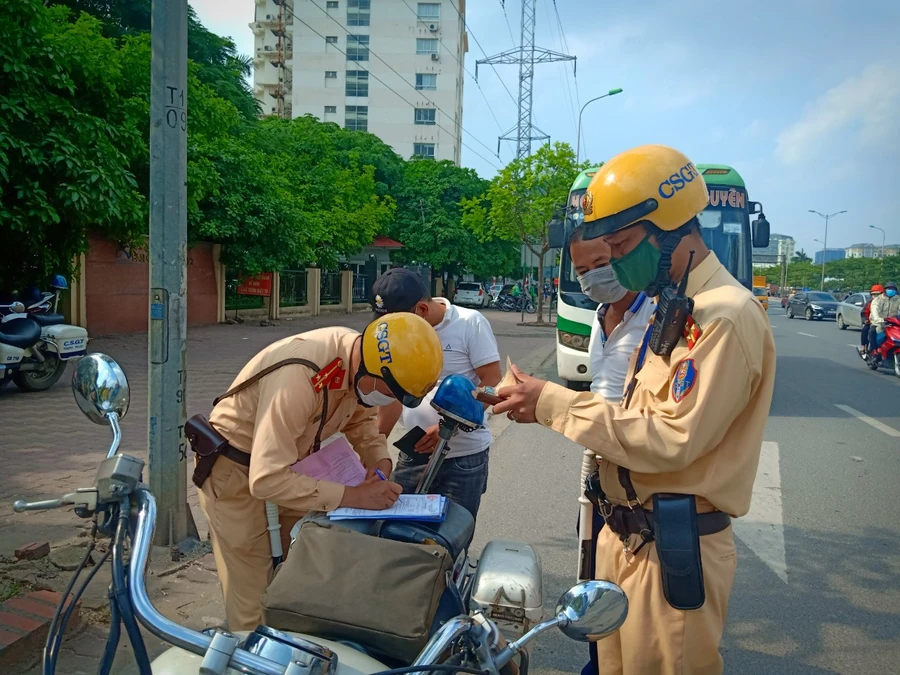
column 877, row 290
column 291, row 396
column 883, row 306
column 679, row 456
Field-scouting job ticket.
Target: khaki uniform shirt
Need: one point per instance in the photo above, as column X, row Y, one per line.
column 691, row 427
column 276, row 419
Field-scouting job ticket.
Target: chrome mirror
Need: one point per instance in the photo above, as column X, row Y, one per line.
column 101, row 391
column 591, row 610
column 17, row 308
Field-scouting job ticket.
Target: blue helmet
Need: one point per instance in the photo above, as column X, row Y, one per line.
column 58, row 282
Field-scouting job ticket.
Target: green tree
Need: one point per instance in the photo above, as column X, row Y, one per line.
column 801, row 257
column 429, row 222
column 62, row 130
column 521, row 199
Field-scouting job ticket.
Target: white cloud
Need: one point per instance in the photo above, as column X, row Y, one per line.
column 866, row 103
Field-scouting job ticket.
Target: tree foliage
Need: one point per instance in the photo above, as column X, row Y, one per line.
column 429, row 222
column 521, row 199
column 801, row 257
column 849, row 274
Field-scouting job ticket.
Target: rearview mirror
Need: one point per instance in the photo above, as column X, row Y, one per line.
column 592, row 610
column 556, row 233
column 101, row 389
column 761, row 232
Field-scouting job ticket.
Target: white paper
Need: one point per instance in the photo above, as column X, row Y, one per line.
column 408, row 507
column 335, row 462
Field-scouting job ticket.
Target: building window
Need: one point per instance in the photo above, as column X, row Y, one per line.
column 356, row 117
column 426, row 46
column 358, row 12
column 357, row 83
column 330, row 74
column 330, row 109
column 331, row 4
column 426, row 81
column 331, row 39
column 426, row 116
column 429, row 11
column 357, row 47
column 424, row 150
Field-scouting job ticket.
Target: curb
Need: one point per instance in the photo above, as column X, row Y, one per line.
column 25, row 622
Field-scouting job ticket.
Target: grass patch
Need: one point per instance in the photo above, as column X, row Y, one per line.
column 10, row 588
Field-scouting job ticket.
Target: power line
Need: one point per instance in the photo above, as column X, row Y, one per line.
column 397, row 94
column 461, row 63
column 562, row 32
column 484, row 53
column 391, row 68
column 508, row 26
column 569, row 97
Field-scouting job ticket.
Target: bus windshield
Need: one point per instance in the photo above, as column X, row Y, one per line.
column 726, row 231
column 568, row 278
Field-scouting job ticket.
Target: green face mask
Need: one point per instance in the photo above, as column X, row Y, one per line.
column 636, row 270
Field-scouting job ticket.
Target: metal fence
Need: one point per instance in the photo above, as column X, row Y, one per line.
column 331, row 288
column 233, row 301
column 293, row 288
column 360, row 288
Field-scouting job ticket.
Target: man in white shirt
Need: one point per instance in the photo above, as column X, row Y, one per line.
column 620, row 320
column 470, row 349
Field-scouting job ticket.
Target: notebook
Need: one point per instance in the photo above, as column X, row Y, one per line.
column 425, row 508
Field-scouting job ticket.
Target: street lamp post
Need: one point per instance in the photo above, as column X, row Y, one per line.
column 882, row 240
column 825, row 243
column 611, row 92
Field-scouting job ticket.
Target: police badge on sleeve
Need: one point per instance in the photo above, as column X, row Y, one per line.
column 683, row 382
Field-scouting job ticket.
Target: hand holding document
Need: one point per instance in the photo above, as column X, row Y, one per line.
column 336, row 462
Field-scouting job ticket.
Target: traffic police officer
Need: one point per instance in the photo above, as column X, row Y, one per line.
column 332, row 382
column 679, row 457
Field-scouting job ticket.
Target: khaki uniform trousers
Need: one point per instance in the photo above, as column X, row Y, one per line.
column 656, row 638
column 240, row 540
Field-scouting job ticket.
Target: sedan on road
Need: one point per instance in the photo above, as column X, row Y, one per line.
column 470, row 293
column 849, row 310
column 812, row 305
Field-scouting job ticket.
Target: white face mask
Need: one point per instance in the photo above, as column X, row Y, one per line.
column 374, row 398
column 601, row 285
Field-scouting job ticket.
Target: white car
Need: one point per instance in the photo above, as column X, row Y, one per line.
column 470, row 293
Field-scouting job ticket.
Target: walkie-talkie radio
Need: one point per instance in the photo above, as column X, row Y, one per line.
column 672, row 310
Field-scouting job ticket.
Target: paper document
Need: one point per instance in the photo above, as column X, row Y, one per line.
column 407, row 507
column 335, row 462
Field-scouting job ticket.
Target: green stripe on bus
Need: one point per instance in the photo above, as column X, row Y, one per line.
column 573, row 327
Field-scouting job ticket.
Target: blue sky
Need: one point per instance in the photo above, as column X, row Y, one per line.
column 801, row 96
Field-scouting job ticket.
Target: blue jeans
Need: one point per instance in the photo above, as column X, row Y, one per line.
column 462, row 479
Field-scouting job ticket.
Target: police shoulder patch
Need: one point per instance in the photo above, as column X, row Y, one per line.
column 683, row 382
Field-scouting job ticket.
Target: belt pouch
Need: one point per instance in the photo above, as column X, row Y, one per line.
column 207, row 443
column 678, row 548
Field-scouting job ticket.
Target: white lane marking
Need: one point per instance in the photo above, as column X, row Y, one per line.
column 881, row 426
column 857, row 346
column 807, row 334
column 762, row 529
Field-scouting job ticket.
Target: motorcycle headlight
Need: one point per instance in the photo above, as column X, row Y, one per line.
column 816, row 307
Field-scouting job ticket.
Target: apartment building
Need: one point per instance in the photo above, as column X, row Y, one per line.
column 781, row 247
column 393, row 68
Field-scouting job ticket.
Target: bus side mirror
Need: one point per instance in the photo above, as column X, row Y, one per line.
column 556, row 233
column 761, row 232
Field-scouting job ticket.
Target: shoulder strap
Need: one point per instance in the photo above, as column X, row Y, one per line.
column 275, row 366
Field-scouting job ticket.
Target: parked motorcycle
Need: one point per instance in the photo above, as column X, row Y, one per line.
column 36, row 343
column 508, row 303
column 888, row 351
column 123, row 508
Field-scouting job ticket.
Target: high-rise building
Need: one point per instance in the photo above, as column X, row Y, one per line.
column 393, row 68
column 830, row 255
column 781, row 247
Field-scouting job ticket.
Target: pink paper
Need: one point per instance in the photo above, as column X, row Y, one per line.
column 335, row 462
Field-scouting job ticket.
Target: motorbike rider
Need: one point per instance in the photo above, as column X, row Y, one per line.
column 470, row 349
column 287, row 410
column 883, row 306
column 877, row 290
column 679, row 457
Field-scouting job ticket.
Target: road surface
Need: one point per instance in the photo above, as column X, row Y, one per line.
column 818, row 582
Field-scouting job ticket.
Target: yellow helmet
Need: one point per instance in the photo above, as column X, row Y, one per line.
column 652, row 183
column 403, row 350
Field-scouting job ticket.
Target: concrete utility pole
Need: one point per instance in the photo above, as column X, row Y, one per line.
column 168, row 448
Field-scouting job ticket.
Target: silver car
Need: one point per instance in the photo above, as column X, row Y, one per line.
column 849, row 310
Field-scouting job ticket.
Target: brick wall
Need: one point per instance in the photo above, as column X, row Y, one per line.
column 117, row 283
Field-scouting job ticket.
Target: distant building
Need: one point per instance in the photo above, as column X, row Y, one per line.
column 863, row 251
column 889, row 249
column 831, row 254
column 781, row 247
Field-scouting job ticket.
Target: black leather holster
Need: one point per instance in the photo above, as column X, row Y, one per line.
column 209, row 445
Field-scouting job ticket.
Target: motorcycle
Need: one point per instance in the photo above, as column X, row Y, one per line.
column 36, row 359
column 888, row 351
column 508, row 303
column 122, row 508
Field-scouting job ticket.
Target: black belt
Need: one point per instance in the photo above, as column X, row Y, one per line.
column 624, row 521
column 235, row 455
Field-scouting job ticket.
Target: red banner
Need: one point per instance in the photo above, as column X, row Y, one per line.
column 260, row 285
